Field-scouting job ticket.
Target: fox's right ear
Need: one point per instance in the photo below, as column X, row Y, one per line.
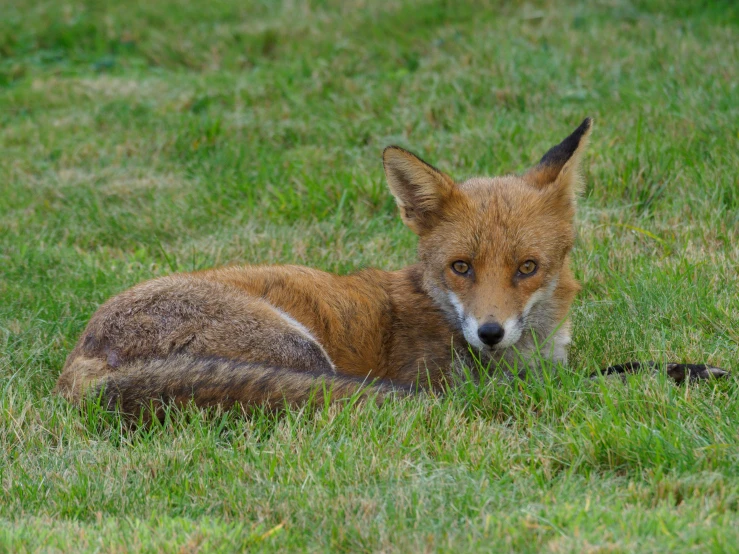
column 560, row 165
column 419, row 188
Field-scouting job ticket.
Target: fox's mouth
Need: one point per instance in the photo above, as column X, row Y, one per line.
column 512, row 332
column 509, row 332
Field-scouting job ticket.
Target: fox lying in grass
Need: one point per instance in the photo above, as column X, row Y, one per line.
column 492, row 289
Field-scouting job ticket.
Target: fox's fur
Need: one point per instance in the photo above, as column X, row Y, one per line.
column 492, row 288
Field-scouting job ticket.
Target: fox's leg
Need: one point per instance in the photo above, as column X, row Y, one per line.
column 677, row 372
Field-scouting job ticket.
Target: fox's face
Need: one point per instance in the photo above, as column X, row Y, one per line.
column 494, row 251
column 497, row 257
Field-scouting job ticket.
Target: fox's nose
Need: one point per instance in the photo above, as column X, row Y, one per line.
column 491, row 333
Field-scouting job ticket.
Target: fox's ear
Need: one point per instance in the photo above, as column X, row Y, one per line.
column 561, row 163
column 419, row 188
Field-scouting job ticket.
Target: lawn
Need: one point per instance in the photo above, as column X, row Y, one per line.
column 141, row 138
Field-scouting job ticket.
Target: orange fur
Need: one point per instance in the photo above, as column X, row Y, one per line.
column 264, row 335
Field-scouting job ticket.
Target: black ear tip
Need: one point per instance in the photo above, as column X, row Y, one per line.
column 559, row 155
column 586, row 124
column 580, row 132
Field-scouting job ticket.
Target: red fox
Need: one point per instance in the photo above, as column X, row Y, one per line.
column 492, row 289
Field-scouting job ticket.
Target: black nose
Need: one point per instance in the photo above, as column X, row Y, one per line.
column 491, row 333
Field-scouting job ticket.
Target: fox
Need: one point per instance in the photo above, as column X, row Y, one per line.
column 491, row 291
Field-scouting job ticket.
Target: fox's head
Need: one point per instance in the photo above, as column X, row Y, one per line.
column 495, row 251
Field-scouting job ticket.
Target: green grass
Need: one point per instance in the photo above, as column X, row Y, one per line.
column 141, row 138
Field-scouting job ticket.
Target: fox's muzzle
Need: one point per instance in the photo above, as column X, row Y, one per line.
column 491, row 333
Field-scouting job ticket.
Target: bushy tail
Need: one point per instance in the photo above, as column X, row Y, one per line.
column 149, row 385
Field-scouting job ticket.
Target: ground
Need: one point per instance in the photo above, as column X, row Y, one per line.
column 141, row 138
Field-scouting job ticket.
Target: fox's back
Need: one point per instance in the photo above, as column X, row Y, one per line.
column 369, row 325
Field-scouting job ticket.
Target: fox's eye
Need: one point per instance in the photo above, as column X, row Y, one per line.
column 461, row 268
column 527, row 268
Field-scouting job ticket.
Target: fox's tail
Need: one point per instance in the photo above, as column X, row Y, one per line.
column 149, row 385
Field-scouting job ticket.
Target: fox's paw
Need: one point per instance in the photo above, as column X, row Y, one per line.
column 694, row 372
column 677, row 372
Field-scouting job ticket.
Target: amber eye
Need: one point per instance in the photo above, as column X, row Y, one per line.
column 527, row 268
column 461, row 268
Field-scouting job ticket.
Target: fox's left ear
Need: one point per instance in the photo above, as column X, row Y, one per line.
column 561, row 164
column 420, row 189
